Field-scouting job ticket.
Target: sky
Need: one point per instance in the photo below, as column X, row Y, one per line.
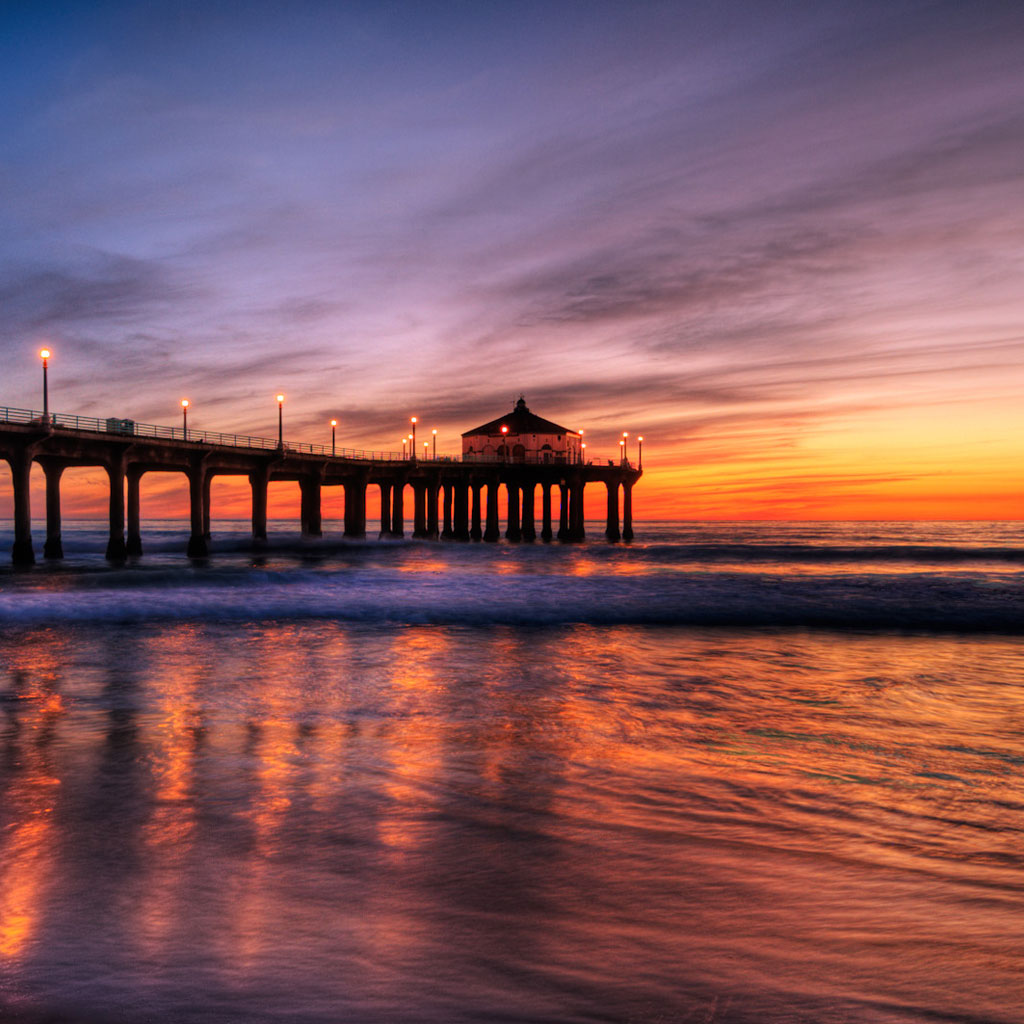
column 782, row 241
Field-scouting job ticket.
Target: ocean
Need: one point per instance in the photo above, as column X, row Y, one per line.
column 743, row 773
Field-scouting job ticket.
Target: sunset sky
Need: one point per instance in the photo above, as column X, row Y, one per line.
column 783, row 241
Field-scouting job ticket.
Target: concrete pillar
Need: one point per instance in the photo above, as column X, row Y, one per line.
column 563, row 510
column 460, row 511
column 311, row 510
column 258, row 481
column 419, row 507
column 545, row 528
column 475, row 532
column 611, row 529
column 116, row 550
column 355, row 506
column 575, row 531
column 529, row 528
column 53, row 548
column 207, row 532
column 197, row 547
column 398, row 509
column 581, row 530
column 512, row 529
column 432, row 524
column 133, row 541
column 385, row 508
column 21, row 470
column 493, row 529
column 446, row 532
column 627, row 511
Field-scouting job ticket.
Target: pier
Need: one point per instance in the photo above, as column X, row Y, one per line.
column 451, row 498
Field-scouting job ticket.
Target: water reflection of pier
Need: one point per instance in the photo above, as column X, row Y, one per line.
column 450, row 499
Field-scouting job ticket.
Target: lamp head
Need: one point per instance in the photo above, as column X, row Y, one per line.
column 184, row 403
column 44, row 354
column 334, row 423
column 280, row 399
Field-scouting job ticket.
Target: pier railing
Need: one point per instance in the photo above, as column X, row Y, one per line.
column 126, row 427
column 112, row 425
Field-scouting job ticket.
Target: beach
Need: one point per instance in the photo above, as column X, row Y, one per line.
column 732, row 772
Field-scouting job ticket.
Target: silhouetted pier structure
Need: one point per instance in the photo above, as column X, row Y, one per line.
column 451, row 499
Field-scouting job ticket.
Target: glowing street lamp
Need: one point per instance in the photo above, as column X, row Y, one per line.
column 426, row 445
column 280, row 421
column 334, row 427
column 622, row 452
column 184, row 418
column 579, row 453
column 583, row 451
column 412, row 437
column 625, row 445
column 434, row 432
column 504, row 443
column 640, row 454
column 405, row 449
column 44, row 354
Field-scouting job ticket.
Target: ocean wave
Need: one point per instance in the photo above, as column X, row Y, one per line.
column 907, row 601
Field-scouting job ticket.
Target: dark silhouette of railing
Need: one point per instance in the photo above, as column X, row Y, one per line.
column 125, row 427
column 113, row 426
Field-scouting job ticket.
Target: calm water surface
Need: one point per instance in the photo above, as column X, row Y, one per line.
column 733, row 773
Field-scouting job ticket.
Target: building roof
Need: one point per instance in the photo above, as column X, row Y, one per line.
column 519, row 421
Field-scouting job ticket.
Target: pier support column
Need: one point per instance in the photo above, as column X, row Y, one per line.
column 529, row 528
column 133, row 541
column 611, row 529
column 432, row 524
column 419, row 510
column 446, row 532
column 258, row 481
column 311, row 514
column 207, row 531
column 398, row 509
column 581, row 529
column 575, row 531
column 493, row 530
column 460, row 511
column 627, row 511
column 53, row 548
column 197, row 537
column 21, row 471
column 545, row 499
column 563, row 511
column 116, row 550
column 355, row 506
column 512, row 529
column 385, row 508
column 475, row 533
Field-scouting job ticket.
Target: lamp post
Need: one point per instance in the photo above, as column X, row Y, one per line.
column 625, row 446
column 622, row 453
column 579, row 451
column 184, row 418
column 44, row 354
column 280, row 421
column 334, row 427
column 504, row 444
column 583, row 452
column 412, row 437
column 640, row 453
column 434, row 432
column 405, row 447
column 426, row 445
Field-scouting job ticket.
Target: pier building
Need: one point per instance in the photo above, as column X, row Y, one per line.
column 522, row 437
column 467, row 499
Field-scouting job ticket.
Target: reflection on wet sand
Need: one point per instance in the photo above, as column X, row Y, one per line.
column 576, row 824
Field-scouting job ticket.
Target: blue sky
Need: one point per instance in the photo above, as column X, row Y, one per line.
column 749, row 230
